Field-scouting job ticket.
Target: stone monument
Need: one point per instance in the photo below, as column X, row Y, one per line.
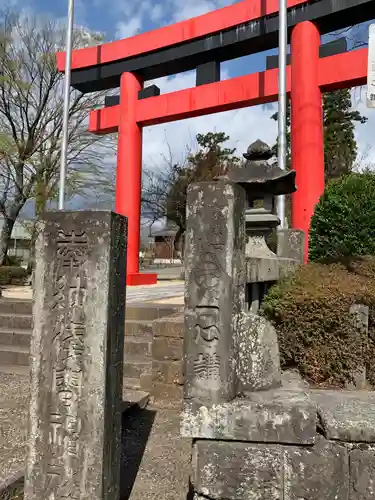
column 215, row 291
column 257, row 432
column 77, row 357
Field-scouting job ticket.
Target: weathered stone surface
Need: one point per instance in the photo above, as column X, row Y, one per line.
column 215, row 288
column 261, row 269
column 291, row 244
column 257, row 354
column 167, row 372
column 173, row 326
column 362, row 474
column 361, row 318
column 345, row 415
column 237, row 471
column 167, row 348
column 318, row 472
column 361, row 314
column 77, row 358
column 275, row 416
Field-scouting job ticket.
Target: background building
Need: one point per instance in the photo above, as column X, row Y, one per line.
column 20, row 241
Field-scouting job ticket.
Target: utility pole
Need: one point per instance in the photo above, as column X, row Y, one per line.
column 371, row 68
column 68, row 67
column 281, row 150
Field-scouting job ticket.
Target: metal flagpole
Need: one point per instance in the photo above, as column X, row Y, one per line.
column 281, row 150
column 68, row 65
column 371, row 68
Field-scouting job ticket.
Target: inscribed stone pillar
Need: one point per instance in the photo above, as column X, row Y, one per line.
column 77, row 357
column 215, row 288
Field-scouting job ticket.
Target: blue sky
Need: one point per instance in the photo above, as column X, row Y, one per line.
column 121, row 18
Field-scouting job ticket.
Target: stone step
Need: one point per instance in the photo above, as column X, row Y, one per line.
column 132, row 383
column 134, row 345
column 16, row 321
column 13, row 336
column 15, row 370
column 137, row 346
column 17, row 355
column 15, row 306
column 134, row 314
column 138, row 328
column 135, row 367
column 149, row 312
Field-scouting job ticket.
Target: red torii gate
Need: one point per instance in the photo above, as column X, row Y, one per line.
column 308, row 76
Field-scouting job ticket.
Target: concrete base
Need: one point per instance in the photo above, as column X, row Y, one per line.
column 137, row 279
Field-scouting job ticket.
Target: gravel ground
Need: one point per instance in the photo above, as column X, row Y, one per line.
column 155, row 460
column 14, row 406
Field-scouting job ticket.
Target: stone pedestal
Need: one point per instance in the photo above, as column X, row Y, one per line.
column 290, row 443
column 77, row 358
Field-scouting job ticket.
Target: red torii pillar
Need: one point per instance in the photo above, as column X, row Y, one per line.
column 129, row 175
column 307, row 141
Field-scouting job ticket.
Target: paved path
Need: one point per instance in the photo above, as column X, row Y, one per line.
column 154, row 292
column 134, row 294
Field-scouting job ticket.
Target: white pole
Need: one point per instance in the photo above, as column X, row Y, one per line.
column 371, row 68
column 281, row 152
column 68, row 65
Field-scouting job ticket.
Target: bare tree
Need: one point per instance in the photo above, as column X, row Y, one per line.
column 31, row 121
column 164, row 190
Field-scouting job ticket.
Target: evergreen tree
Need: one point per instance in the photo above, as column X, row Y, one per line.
column 340, row 146
column 211, row 160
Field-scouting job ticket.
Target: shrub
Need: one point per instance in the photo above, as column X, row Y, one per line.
column 317, row 334
column 344, row 221
column 12, row 275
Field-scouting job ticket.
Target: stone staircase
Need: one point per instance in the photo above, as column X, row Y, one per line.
column 15, row 333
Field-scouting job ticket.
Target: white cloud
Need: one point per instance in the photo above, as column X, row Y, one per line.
column 157, row 12
column 135, row 16
column 186, row 10
column 125, row 29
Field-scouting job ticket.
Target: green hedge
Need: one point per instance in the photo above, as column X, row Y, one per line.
column 13, row 275
column 317, row 334
column 343, row 224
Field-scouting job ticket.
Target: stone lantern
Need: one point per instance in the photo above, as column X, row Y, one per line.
column 262, row 182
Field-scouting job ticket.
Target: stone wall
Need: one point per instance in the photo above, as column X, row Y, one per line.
column 290, row 443
column 258, row 433
column 167, row 359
